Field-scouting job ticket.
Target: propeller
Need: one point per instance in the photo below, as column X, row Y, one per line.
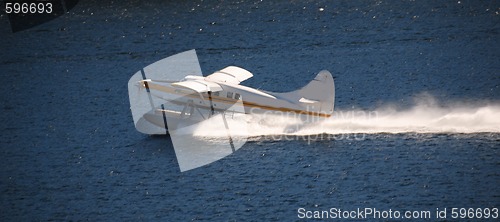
column 191, row 150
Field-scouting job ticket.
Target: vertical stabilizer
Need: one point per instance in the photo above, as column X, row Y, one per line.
column 322, row 90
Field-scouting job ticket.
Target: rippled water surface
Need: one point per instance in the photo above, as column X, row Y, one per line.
column 69, row 150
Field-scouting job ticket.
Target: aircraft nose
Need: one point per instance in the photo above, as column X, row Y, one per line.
column 143, row 83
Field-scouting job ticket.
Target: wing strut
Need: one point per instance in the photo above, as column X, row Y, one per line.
column 211, row 103
column 164, row 119
column 227, row 130
column 224, row 119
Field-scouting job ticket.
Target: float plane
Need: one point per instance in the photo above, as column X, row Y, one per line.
column 171, row 94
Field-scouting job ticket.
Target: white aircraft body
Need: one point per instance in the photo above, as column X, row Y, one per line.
column 201, row 97
column 171, row 95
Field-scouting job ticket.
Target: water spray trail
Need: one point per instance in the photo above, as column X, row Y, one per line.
column 421, row 118
column 418, row 119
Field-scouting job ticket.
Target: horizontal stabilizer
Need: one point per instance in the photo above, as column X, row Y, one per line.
column 310, row 101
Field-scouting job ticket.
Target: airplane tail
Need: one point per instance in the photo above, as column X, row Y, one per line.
column 320, row 90
column 317, row 96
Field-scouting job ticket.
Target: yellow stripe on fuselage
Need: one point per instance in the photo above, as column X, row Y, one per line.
column 172, row 90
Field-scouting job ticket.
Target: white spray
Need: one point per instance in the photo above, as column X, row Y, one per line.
column 426, row 116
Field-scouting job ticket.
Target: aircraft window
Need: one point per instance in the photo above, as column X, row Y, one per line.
column 229, row 95
column 215, row 93
column 236, row 96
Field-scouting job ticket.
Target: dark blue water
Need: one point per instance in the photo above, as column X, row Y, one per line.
column 69, row 150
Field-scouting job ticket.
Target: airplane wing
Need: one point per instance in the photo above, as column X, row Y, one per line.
column 198, row 85
column 231, row 74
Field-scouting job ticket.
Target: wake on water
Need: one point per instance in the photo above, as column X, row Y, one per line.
column 418, row 119
column 223, row 133
column 426, row 116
